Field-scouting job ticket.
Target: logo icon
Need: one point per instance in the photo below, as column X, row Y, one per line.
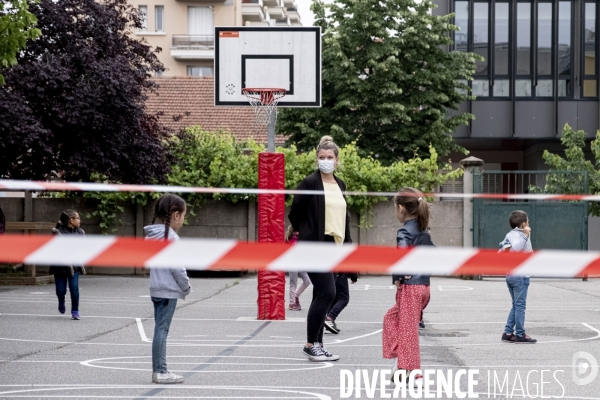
column 585, row 368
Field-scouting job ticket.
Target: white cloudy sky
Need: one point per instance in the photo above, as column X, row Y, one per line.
column 305, row 14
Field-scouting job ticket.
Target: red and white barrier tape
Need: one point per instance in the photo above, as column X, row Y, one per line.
column 14, row 185
column 207, row 254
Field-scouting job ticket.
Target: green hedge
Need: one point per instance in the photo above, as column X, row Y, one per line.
column 215, row 159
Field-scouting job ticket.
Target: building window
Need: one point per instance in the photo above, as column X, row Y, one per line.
column 143, row 17
column 564, row 49
column 462, row 22
column 501, row 43
column 159, row 14
column 523, row 38
column 527, row 46
column 201, row 22
column 199, row 71
column 590, row 67
column 480, row 36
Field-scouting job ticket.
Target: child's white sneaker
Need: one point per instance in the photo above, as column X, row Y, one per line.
column 167, row 378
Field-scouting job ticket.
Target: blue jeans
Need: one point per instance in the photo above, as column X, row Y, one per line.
column 163, row 315
column 61, row 282
column 517, row 286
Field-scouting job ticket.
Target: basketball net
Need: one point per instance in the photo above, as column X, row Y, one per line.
column 264, row 101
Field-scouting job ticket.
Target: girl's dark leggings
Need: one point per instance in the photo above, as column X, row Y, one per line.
column 323, row 295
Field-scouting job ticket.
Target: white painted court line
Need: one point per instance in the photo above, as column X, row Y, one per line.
column 305, row 366
column 354, row 338
column 142, row 331
column 285, row 320
column 256, row 389
column 454, row 288
column 281, row 389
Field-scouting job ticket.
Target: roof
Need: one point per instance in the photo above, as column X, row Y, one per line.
column 192, row 98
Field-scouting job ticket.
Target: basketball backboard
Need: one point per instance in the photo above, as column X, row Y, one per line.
column 268, row 57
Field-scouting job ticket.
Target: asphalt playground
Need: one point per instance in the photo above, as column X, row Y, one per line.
column 225, row 353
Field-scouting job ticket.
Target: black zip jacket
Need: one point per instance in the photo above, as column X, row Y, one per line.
column 307, row 214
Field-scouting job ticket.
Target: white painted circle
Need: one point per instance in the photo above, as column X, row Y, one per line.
column 133, row 363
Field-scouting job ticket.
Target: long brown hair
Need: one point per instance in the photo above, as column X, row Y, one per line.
column 165, row 206
column 412, row 199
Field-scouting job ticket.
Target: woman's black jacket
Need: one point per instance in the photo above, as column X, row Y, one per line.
column 307, row 214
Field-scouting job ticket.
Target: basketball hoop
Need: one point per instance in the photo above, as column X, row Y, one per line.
column 264, row 101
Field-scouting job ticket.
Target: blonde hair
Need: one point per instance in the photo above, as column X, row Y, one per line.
column 412, row 199
column 327, row 143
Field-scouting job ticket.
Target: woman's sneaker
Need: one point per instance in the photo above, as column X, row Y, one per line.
column 293, row 307
column 75, row 315
column 508, row 338
column 167, row 378
column 61, row 307
column 330, row 326
column 330, row 357
column 314, row 353
column 525, row 339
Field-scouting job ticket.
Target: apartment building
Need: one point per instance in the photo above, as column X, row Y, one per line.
column 540, row 71
column 184, row 30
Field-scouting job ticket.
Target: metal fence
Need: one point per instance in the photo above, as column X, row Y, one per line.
column 538, row 182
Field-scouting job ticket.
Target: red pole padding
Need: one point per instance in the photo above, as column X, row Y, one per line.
column 271, row 225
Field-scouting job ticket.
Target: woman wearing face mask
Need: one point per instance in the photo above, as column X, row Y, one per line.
column 319, row 218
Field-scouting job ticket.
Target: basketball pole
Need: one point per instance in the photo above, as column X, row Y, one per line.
column 271, row 130
column 271, row 224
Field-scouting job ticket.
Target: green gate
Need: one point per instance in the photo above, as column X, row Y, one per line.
column 554, row 224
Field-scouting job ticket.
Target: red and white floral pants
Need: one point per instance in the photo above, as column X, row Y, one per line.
column 401, row 326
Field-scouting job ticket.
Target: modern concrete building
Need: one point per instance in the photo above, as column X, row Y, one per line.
column 184, row 29
column 540, row 72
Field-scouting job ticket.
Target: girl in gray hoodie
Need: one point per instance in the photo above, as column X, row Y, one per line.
column 166, row 284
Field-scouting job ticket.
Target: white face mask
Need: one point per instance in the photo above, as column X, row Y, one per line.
column 326, row 166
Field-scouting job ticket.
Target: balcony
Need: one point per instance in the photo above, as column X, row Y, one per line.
column 275, row 13
column 292, row 13
column 193, row 47
column 273, row 3
column 252, row 10
column 257, row 23
column 290, row 3
column 283, row 22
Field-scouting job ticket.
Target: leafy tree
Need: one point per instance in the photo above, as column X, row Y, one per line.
column 74, row 105
column 574, row 160
column 17, row 25
column 388, row 81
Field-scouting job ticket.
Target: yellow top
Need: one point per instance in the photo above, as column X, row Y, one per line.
column 335, row 212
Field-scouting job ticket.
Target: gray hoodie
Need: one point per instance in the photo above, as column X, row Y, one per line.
column 167, row 283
